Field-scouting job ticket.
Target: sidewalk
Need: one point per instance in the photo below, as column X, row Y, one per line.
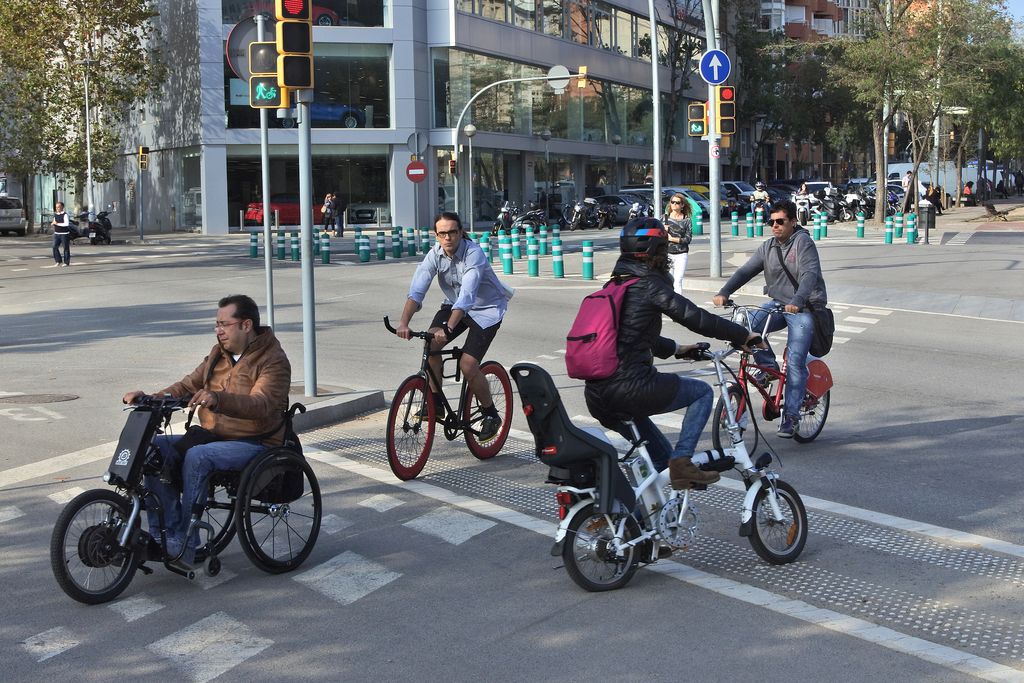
column 331, row 405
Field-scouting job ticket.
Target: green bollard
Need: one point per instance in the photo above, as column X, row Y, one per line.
column 860, row 224
column 532, row 266
column 295, row 246
column 735, row 217
column 911, row 228
column 485, row 246
column 363, row 246
column 544, row 240
column 897, row 222
column 357, row 238
column 316, row 241
column 517, row 250
column 410, row 241
column 280, row 245
column 759, row 222
column 698, row 223
column 888, row 229
column 750, row 225
column 816, row 235
column 254, row 243
column 325, row 247
column 557, row 265
column 824, row 224
column 556, row 231
column 506, row 255
column 424, row 240
column 588, row 260
column 396, row 243
column 382, row 246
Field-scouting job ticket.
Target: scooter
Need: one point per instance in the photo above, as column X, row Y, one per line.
column 803, row 208
column 533, row 219
column 506, row 216
column 584, row 214
column 94, row 230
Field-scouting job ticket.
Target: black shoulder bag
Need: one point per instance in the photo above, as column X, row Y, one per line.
column 824, row 321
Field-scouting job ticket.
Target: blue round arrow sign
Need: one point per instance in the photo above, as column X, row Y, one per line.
column 715, row 67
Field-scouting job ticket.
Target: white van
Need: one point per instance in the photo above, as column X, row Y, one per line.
column 12, row 216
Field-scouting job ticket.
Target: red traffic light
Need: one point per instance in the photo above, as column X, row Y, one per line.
column 292, row 9
column 452, row 166
column 726, row 93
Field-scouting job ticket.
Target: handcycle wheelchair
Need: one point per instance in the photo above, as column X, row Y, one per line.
column 273, row 504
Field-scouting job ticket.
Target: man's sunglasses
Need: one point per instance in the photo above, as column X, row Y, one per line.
column 777, row 221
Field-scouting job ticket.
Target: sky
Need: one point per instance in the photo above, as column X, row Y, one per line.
column 1016, row 9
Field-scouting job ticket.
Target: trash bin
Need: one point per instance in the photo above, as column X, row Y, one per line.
column 927, row 220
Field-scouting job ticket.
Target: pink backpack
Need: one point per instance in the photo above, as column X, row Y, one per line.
column 591, row 349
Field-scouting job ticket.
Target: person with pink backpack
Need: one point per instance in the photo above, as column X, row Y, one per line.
column 634, row 389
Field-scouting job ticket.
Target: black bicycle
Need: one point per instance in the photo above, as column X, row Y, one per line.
column 413, row 415
column 273, row 505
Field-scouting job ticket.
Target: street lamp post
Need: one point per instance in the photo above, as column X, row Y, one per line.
column 545, row 135
column 88, row 146
column 616, row 140
column 470, row 131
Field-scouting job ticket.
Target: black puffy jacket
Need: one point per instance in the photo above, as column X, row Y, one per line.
column 637, row 388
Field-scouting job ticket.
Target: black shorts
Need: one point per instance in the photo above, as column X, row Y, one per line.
column 479, row 339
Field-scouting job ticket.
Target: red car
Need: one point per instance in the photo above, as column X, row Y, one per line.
column 321, row 16
column 287, row 205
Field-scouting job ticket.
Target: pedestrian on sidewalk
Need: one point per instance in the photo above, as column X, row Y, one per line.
column 680, row 232
column 934, row 198
column 61, row 235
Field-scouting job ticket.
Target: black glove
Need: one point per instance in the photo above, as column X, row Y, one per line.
column 696, row 353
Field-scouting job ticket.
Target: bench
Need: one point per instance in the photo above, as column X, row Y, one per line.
column 991, row 212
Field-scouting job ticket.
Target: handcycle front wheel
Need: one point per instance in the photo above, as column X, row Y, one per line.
column 779, row 541
column 220, row 511
column 278, row 510
column 813, row 414
column 720, row 437
column 501, row 393
column 410, row 430
column 85, row 555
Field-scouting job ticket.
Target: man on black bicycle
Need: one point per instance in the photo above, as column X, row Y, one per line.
column 792, row 274
column 474, row 299
column 240, row 391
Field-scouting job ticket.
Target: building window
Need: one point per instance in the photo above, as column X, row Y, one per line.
column 325, row 12
column 524, row 13
column 552, row 17
column 353, row 90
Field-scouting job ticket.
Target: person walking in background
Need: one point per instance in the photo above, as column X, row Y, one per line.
column 680, row 232
column 908, row 196
column 339, row 215
column 327, row 211
column 61, row 235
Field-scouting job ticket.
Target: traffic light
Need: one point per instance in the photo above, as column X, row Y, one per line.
column 293, row 9
column 265, row 93
column 143, row 157
column 697, row 116
column 725, row 109
column 891, row 144
column 263, row 58
column 582, row 76
column 294, row 44
column 453, row 166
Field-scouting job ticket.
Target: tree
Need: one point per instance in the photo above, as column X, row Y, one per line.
column 46, row 50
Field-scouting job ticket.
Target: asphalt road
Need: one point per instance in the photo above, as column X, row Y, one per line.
column 913, row 565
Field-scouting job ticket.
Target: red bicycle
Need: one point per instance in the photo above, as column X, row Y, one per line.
column 813, row 410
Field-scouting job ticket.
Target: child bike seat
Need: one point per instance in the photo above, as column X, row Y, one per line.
column 560, row 443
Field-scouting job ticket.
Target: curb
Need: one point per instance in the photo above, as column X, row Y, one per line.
column 336, row 408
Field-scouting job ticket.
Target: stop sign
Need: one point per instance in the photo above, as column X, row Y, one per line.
column 416, row 171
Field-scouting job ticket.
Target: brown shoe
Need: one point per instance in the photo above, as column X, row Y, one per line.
column 684, row 474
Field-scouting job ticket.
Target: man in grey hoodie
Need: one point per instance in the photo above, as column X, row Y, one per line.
column 792, row 274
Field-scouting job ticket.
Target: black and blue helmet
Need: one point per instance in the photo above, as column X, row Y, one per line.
column 642, row 238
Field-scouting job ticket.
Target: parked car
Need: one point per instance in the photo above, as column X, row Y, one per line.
column 726, row 204
column 367, row 212
column 322, row 16
column 619, row 204
column 739, row 190
column 12, row 216
column 288, row 207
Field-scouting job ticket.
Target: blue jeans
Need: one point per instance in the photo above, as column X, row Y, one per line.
column 697, row 397
column 800, row 331
column 200, row 461
column 65, row 241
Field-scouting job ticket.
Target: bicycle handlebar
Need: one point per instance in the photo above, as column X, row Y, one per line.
column 417, row 335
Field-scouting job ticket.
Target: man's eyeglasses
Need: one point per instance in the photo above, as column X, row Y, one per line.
column 221, row 324
column 447, row 233
column 777, row 221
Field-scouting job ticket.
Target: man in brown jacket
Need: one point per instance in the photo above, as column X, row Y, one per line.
column 239, row 391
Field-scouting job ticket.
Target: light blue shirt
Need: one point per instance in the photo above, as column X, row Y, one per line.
column 467, row 281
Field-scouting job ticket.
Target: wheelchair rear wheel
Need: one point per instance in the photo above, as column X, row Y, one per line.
column 278, row 510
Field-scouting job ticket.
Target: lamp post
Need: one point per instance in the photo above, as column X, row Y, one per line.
column 616, row 140
column 88, row 145
column 470, row 131
column 545, row 135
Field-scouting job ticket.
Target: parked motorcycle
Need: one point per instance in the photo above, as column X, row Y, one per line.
column 96, row 231
column 584, row 214
column 506, row 216
column 856, row 202
column 604, row 218
column 533, row 219
column 640, row 209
